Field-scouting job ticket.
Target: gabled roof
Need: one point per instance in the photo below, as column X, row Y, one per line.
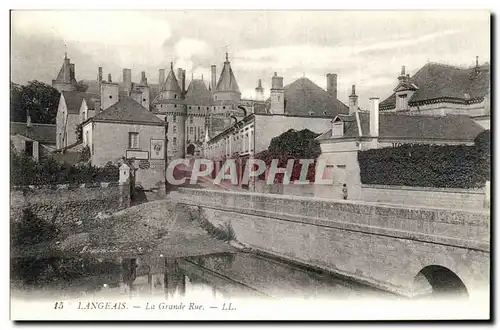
column 305, row 98
column 227, row 81
column 440, row 81
column 74, row 100
column 415, row 127
column 171, row 83
column 127, row 111
column 43, row 133
column 198, row 94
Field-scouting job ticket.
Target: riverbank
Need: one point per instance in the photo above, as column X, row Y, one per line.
column 150, row 228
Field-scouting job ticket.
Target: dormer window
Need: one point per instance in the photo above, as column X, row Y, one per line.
column 337, row 128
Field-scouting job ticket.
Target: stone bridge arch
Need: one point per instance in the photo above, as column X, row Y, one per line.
column 439, row 281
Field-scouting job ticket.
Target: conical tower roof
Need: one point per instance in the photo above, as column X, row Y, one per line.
column 197, row 93
column 227, row 81
column 171, row 83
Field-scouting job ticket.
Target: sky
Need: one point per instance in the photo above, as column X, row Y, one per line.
column 364, row 48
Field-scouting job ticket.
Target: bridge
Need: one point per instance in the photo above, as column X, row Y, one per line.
column 412, row 251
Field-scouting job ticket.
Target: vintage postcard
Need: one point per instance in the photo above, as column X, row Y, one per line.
column 250, row 165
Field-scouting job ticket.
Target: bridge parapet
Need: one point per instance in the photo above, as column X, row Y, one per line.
column 385, row 245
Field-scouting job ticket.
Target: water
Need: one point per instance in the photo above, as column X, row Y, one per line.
column 226, row 275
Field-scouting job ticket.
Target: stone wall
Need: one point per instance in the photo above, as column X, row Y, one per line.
column 441, row 197
column 383, row 245
column 64, row 205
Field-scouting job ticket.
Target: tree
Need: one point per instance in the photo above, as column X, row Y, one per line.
column 292, row 145
column 40, row 99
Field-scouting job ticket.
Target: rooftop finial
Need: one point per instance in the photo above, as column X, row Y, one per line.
column 477, row 60
column 192, row 76
column 353, row 90
column 172, row 66
column 403, row 70
column 227, row 57
column 202, row 76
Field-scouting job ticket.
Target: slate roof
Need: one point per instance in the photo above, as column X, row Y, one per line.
column 43, row 133
column 171, row 83
column 415, row 127
column 305, row 98
column 198, row 94
column 227, row 81
column 438, row 81
column 93, row 88
column 74, row 100
column 127, row 111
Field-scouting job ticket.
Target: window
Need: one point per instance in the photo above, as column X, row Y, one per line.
column 28, row 148
column 87, row 138
column 224, row 107
column 111, row 96
column 175, row 105
column 174, row 129
column 174, row 141
column 199, row 130
column 191, row 119
column 133, row 140
column 191, row 130
column 143, row 100
column 175, row 96
column 198, row 108
column 175, row 119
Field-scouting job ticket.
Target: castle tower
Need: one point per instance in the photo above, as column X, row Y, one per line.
column 171, row 89
column 65, row 80
column 227, row 88
column 277, row 95
column 259, row 91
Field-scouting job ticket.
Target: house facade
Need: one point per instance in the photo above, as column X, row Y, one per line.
column 363, row 130
column 440, row 89
column 128, row 131
column 33, row 139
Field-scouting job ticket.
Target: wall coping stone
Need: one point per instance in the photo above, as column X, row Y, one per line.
column 479, row 191
column 65, row 186
column 427, row 211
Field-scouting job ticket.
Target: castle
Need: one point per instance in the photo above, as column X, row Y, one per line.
column 193, row 114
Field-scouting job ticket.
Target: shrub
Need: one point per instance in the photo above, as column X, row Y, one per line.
column 26, row 171
column 31, row 230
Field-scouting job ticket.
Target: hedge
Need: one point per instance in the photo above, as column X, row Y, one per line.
column 451, row 166
column 26, row 171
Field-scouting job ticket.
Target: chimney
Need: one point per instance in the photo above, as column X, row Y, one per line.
column 144, row 80
column 99, row 74
column 259, row 91
column 277, row 95
column 161, row 78
column 72, row 72
column 127, row 80
column 183, row 82
column 353, row 101
column 374, row 117
column 331, row 84
column 97, row 106
column 403, row 76
column 109, row 77
column 477, row 64
column 213, row 77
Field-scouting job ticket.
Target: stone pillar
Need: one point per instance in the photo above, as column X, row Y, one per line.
column 124, row 182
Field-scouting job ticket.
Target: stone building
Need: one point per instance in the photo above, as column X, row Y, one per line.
column 362, row 130
column 33, row 139
column 127, row 130
column 198, row 110
column 439, row 89
column 299, row 105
